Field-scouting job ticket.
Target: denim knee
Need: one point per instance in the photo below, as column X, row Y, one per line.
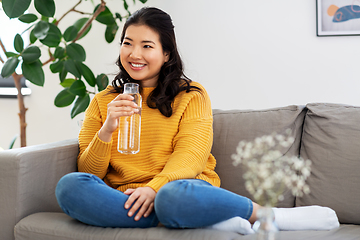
column 164, row 198
column 69, row 186
column 173, row 200
column 166, row 193
column 62, row 189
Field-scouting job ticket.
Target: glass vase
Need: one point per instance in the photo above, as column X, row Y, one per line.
column 265, row 226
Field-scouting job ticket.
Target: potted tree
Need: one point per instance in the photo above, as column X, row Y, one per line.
column 66, row 56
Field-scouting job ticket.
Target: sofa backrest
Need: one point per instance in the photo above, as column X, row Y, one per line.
column 331, row 139
column 232, row 126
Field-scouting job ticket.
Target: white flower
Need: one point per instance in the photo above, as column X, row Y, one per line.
column 281, row 197
column 269, row 170
column 268, row 184
column 278, row 175
column 280, row 138
column 305, row 172
column 306, row 189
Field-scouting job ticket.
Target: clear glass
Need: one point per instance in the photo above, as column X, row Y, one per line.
column 265, row 226
column 130, row 126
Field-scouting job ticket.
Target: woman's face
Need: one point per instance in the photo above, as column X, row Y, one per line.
column 141, row 54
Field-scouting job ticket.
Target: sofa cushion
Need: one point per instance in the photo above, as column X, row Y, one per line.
column 331, row 139
column 232, row 126
column 59, row 226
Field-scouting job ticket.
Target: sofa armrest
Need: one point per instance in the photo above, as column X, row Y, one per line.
column 28, row 177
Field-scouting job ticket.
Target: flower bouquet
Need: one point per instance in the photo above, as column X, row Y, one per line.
column 269, row 172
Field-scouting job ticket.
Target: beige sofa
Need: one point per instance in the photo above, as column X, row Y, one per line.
column 328, row 134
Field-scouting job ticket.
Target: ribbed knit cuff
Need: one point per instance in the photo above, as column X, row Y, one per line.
column 157, row 183
column 100, row 148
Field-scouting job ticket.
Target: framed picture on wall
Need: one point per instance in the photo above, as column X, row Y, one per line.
column 337, row 17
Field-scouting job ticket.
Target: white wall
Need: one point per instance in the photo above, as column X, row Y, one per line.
column 247, row 54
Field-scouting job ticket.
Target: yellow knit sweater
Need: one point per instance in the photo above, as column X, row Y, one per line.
column 171, row 148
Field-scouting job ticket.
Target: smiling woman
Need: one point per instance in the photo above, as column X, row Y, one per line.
column 113, row 189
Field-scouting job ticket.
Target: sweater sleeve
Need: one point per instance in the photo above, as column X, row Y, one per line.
column 94, row 156
column 192, row 144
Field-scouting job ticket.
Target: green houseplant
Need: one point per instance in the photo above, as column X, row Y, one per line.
column 66, row 56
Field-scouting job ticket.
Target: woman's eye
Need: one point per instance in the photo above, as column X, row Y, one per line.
column 126, row 43
column 147, row 46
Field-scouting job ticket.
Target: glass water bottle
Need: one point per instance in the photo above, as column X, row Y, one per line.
column 130, row 126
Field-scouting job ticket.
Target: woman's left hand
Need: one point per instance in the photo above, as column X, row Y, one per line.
column 143, row 198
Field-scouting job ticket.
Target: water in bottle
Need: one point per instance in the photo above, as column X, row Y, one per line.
column 130, row 126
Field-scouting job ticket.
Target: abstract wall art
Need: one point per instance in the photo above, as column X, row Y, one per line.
column 338, row 17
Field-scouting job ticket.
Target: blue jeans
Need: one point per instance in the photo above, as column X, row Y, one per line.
column 188, row 203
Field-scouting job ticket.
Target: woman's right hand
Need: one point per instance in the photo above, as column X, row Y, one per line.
column 142, row 199
column 122, row 105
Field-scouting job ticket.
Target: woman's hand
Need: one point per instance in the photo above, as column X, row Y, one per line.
column 143, row 198
column 122, row 105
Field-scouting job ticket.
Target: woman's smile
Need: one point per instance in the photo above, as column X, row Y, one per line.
column 137, row 66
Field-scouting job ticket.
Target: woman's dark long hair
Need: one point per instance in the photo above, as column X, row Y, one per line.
column 172, row 79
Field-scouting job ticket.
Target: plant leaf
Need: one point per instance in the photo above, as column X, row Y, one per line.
column 32, row 37
column 80, row 105
column 18, row 43
column 9, row 67
column 70, row 33
column 28, row 18
column 79, row 24
column 143, row 1
column 15, row 8
column 45, row 7
column 70, row 66
column 64, row 98
column 59, row 52
column 67, row 82
column 78, row 88
column 126, row 6
column 34, row 72
column 31, row 54
column 102, row 81
column 41, row 30
column 88, row 75
column 118, row 16
column 63, row 74
column 76, row 51
column 110, row 32
column 105, row 16
column 13, row 141
column 11, row 54
column 53, row 36
column 57, row 66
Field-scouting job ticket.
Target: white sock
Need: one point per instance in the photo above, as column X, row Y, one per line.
column 235, row 224
column 306, row 218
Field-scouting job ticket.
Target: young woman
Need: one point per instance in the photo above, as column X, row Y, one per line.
column 172, row 178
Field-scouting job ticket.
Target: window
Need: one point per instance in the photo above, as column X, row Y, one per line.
column 8, row 29
column 8, row 89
